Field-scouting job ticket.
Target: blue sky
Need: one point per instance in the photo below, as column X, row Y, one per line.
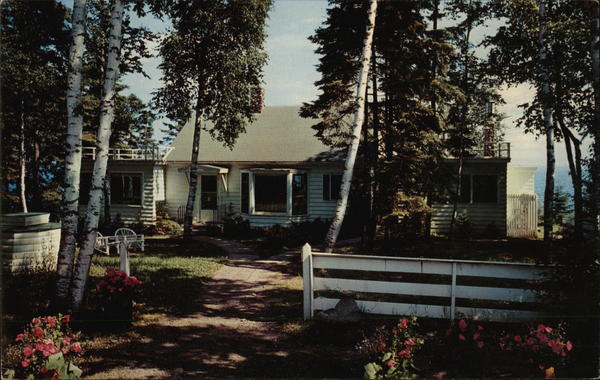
column 290, row 74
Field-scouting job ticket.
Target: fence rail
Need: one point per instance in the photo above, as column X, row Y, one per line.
column 138, row 154
column 485, row 282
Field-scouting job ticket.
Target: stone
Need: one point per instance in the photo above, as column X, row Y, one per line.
column 346, row 309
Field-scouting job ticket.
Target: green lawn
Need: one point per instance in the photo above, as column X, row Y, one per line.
column 172, row 273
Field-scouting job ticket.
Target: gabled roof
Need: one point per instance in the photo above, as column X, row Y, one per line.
column 278, row 134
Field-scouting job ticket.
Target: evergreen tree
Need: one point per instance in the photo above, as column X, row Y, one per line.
column 212, row 61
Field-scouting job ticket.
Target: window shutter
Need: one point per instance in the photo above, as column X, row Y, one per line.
column 245, row 192
column 326, row 187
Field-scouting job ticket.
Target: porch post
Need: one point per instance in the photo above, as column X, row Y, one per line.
column 307, row 279
column 250, row 193
column 290, row 176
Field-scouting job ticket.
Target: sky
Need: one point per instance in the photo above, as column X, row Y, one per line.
column 291, row 72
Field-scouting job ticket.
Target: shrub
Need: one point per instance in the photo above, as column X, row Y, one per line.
column 115, row 292
column 164, row 227
column 27, row 292
column 235, row 226
column 391, row 351
column 46, row 348
column 464, row 226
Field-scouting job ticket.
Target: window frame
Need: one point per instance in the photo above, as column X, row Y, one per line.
column 109, row 177
column 330, row 198
column 289, row 173
column 472, row 187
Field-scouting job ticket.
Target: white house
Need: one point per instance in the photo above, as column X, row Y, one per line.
column 278, row 172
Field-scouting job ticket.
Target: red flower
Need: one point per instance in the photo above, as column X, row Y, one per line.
column 517, row 338
column 390, row 363
column 25, row 363
column 461, row 337
column 410, row 342
column 66, row 340
column 36, row 321
column 51, row 321
column 43, row 370
column 76, row 347
column 19, row 338
column 405, row 354
column 403, row 323
column 476, row 336
column 531, row 341
column 38, row 332
column 480, row 344
column 28, row 351
column 66, row 318
column 569, row 345
column 462, row 325
column 479, row 327
column 535, row 348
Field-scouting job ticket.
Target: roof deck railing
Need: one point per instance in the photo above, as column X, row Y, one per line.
column 487, row 151
column 130, row 154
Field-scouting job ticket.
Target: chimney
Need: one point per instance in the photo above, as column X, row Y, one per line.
column 257, row 99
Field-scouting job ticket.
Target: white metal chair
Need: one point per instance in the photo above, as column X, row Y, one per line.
column 102, row 244
column 129, row 235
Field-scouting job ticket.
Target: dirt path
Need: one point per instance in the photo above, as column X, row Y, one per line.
column 247, row 324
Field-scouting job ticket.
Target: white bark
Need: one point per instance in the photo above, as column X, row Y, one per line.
column 102, row 145
column 70, row 201
column 193, row 186
column 361, row 96
column 548, row 126
column 22, row 170
column 595, row 53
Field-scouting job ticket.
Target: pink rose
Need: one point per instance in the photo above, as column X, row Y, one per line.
column 36, row 321
column 569, row 345
column 518, row 338
column 25, row 363
column 19, row 338
column 461, row 337
column 462, row 325
column 76, row 347
column 390, row 363
column 28, row 351
column 38, row 332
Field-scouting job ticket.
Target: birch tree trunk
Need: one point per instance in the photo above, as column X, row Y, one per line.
column 574, row 160
column 22, row 170
column 595, row 53
column 548, row 126
column 70, row 201
column 102, row 146
column 336, row 223
column 193, row 185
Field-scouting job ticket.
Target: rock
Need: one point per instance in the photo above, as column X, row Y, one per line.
column 346, row 309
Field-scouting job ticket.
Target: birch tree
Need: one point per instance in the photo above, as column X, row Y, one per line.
column 90, row 229
column 548, row 124
column 212, row 62
column 595, row 54
column 70, row 205
column 358, row 119
column 22, row 158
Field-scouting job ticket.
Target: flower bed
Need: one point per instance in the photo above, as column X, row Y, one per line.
column 45, row 349
column 116, row 292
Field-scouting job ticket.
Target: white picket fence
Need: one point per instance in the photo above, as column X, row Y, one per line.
column 312, row 261
column 522, row 218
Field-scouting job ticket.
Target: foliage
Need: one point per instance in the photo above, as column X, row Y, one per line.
column 46, row 348
column 27, row 293
column 236, row 226
column 407, row 219
column 464, row 225
column 164, row 226
column 562, row 206
column 391, row 351
column 116, row 281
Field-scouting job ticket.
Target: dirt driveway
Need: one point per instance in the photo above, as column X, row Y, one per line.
column 247, row 324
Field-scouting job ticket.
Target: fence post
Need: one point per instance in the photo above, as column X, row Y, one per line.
column 453, row 293
column 123, row 257
column 307, row 279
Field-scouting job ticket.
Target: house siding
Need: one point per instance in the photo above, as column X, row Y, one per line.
column 130, row 214
column 481, row 214
column 230, row 201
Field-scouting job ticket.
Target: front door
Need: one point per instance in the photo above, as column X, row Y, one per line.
column 208, row 198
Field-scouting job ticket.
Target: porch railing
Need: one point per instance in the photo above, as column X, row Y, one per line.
column 139, row 154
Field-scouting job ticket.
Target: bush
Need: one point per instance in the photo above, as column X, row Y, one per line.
column 391, row 351
column 235, row 226
column 464, row 226
column 164, row 227
column 28, row 292
column 46, row 348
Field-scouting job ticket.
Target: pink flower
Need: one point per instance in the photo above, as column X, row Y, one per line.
column 66, row 318
column 76, row 347
column 28, row 351
column 480, row 344
column 51, row 321
column 25, row 363
column 36, row 321
column 403, row 323
column 19, row 338
column 569, row 345
column 517, row 338
column 541, row 328
column 405, row 354
column 476, row 336
column 531, row 341
column 64, row 350
column 382, row 346
column 38, row 332
column 479, row 327
column 462, row 325
column 461, row 337
column 390, row 363
column 66, row 340
column 410, row 342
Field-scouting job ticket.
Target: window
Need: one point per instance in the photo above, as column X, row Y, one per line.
column 299, row 194
column 85, row 184
column 331, row 186
column 485, row 189
column 270, row 192
column 245, row 192
column 479, row 189
column 126, row 189
column 208, row 192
